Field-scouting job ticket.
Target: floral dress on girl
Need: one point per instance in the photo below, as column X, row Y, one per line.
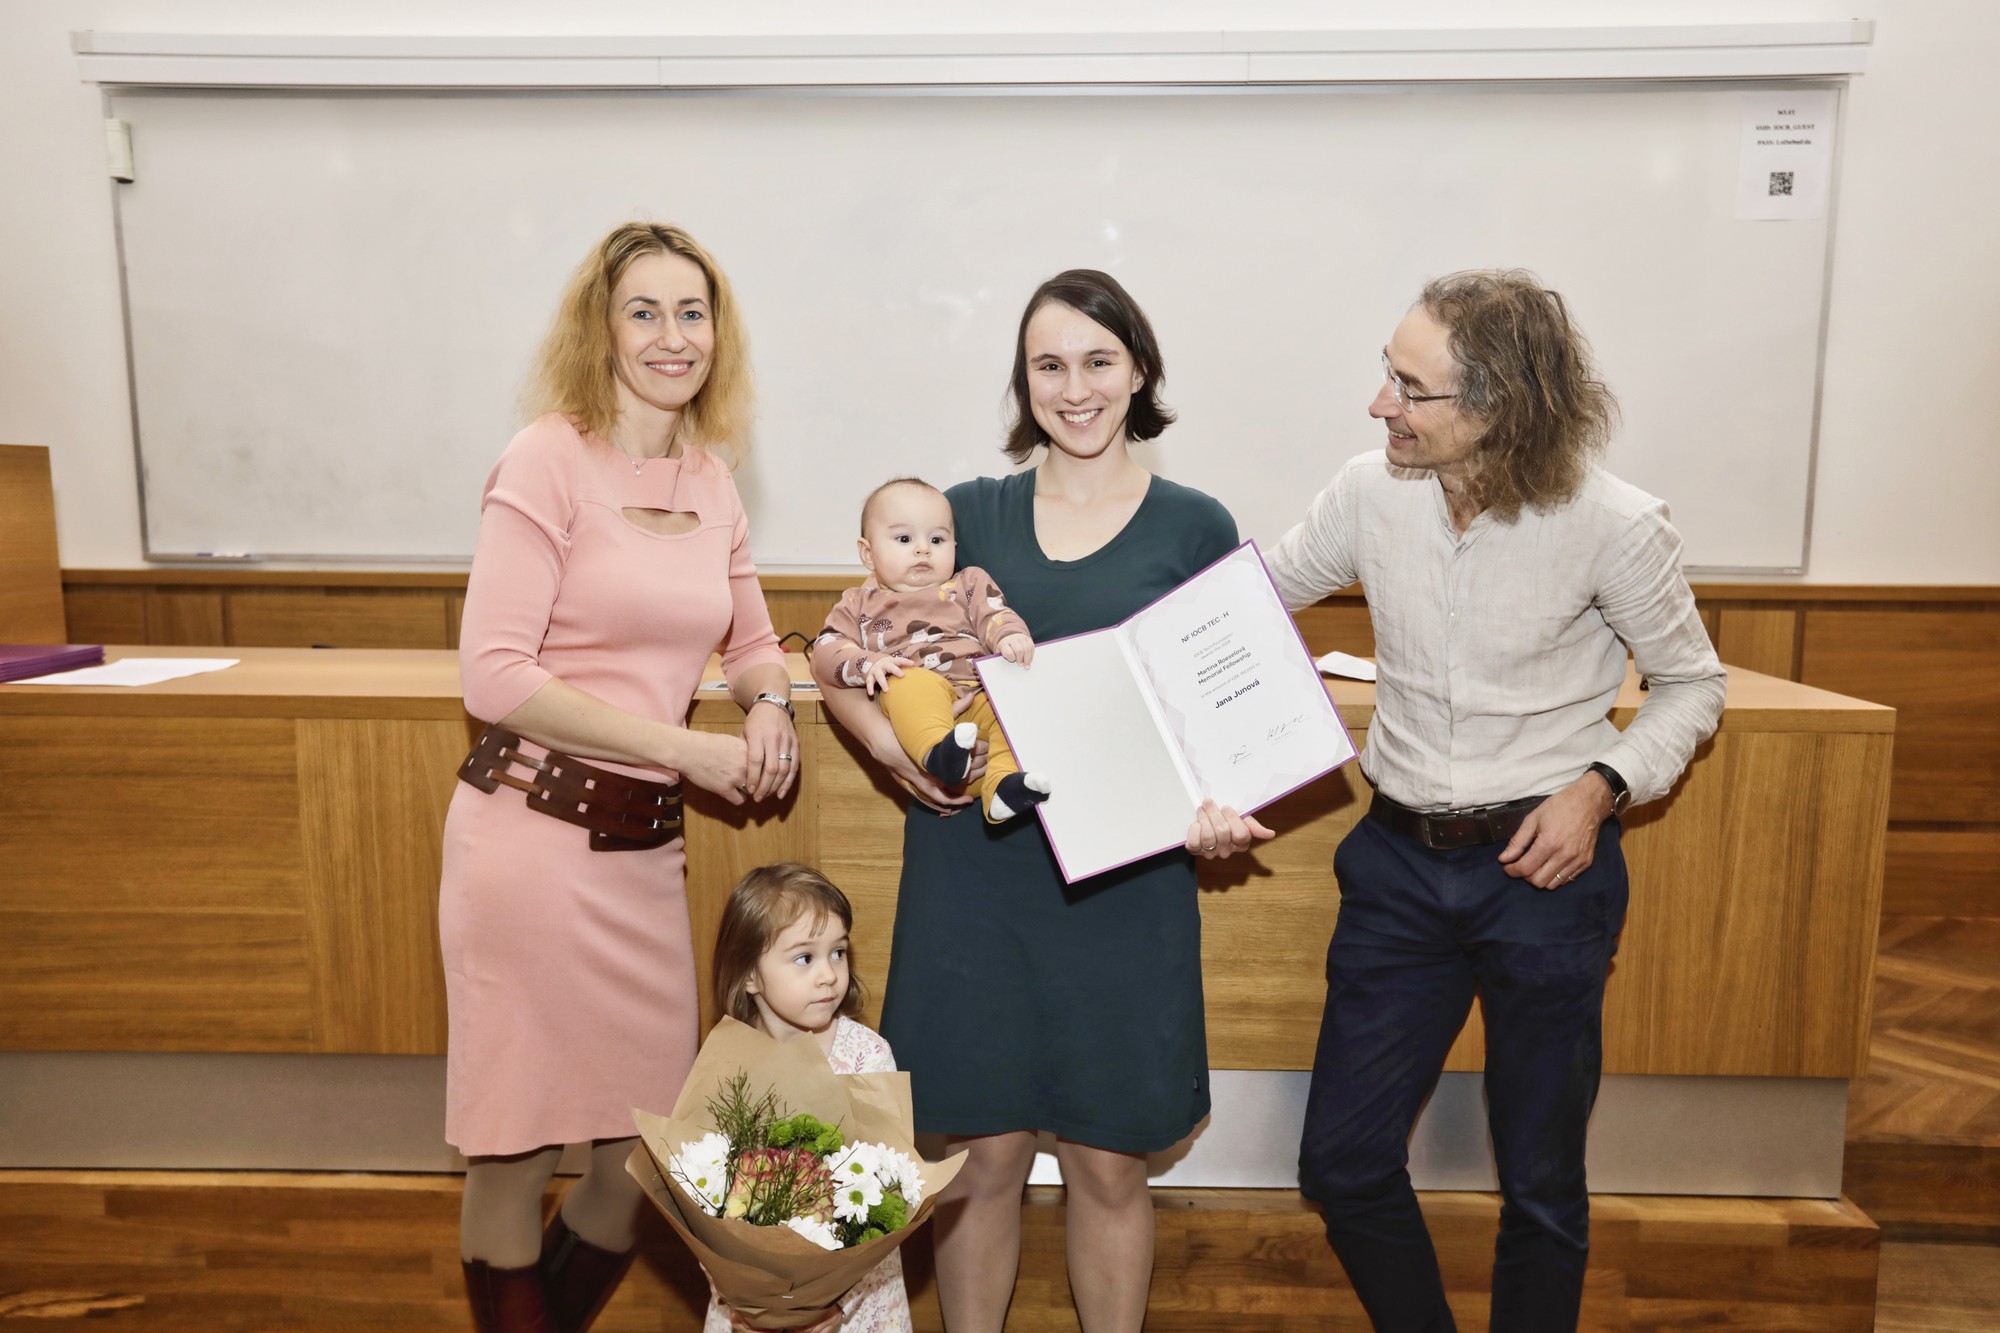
column 878, row 1303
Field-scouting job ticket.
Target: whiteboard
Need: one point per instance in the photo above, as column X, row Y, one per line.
column 333, row 298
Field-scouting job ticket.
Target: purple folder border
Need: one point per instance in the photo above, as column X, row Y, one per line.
column 23, row 661
column 979, row 665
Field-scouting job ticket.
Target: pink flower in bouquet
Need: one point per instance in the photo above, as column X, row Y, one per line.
column 773, row 1184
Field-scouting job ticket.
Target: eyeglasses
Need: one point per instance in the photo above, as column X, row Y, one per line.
column 1402, row 391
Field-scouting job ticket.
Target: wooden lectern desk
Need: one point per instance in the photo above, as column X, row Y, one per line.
column 247, row 860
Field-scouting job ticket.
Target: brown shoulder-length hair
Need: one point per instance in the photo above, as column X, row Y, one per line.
column 764, row 903
column 1096, row 296
column 573, row 374
column 1526, row 376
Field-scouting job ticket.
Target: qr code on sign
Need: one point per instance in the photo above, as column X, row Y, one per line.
column 1781, row 182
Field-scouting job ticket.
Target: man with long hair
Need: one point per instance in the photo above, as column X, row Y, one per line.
column 1507, row 575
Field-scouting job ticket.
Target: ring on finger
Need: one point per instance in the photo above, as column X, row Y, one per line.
column 785, row 757
column 1208, row 847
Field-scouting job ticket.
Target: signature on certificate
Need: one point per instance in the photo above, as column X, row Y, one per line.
column 1284, row 728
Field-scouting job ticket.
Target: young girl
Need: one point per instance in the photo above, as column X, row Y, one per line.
column 781, row 966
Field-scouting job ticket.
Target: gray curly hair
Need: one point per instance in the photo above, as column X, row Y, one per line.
column 1526, row 375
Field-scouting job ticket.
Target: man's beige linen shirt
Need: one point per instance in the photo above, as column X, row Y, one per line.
column 1501, row 650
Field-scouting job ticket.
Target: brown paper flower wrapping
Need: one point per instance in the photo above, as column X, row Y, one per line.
column 775, row 1277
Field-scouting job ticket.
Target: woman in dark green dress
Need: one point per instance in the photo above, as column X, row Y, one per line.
column 1019, row 1004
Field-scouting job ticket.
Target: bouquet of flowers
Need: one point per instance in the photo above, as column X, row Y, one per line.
column 795, row 1171
column 787, row 1209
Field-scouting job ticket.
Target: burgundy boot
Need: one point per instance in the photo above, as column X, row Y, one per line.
column 507, row 1300
column 578, row 1276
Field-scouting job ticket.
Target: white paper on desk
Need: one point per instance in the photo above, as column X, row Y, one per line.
column 1337, row 663
column 1208, row 692
column 134, row 671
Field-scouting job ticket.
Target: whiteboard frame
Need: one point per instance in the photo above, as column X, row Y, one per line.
column 1805, row 49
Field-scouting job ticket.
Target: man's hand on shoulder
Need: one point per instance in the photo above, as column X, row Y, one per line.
column 1558, row 840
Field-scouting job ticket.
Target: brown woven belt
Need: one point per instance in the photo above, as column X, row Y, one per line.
column 1444, row 830
column 623, row 813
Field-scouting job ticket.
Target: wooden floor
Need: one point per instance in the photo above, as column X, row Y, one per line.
column 1934, row 1056
column 1938, row 1289
column 1923, row 1152
column 1923, row 1129
column 214, row 1253
column 182, row 1251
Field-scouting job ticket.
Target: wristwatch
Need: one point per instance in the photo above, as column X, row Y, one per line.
column 1621, row 795
column 772, row 697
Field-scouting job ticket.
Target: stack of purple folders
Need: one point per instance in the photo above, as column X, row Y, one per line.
column 20, row 660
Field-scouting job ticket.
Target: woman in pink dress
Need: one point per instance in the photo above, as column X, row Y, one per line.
column 612, row 560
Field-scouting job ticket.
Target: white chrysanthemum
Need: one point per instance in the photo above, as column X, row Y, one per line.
column 702, row 1169
column 905, row 1173
column 856, row 1161
column 857, row 1187
column 857, row 1173
column 852, row 1202
column 818, row 1232
column 710, row 1146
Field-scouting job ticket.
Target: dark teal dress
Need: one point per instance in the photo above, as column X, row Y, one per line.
column 1017, row 1002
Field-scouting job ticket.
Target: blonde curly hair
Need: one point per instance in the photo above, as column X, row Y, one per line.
column 573, row 370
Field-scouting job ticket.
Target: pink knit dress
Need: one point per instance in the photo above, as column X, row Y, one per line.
column 570, row 973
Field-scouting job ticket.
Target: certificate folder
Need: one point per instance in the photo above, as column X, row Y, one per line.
column 1207, row 692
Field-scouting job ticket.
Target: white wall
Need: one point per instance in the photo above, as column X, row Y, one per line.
column 1908, row 476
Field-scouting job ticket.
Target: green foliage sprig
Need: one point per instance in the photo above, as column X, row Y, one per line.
column 742, row 1119
column 808, row 1132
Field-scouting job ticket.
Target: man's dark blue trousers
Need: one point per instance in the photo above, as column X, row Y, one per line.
column 1420, row 934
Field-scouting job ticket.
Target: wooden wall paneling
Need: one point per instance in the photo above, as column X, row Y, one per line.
column 801, row 610
column 1942, row 872
column 136, row 981
column 106, row 615
column 1759, row 639
column 454, row 612
column 725, row 842
column 191, row 616
column 1940, row 669
column 372, row 796
column 1337, row 624
column 861, row 850
column 31, row 599
column 1269, row 914
column 337, row 618
column 1710, row 977
column 1805, row 595
column 1266, row 917
column 1711, row 621
column 172, row 921
column 282, row 1253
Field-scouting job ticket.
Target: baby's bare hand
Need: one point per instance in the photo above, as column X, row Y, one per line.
column 877, row 674
column 1018, row 648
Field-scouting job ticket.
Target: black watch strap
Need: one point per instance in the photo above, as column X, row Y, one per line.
column 1621, row 794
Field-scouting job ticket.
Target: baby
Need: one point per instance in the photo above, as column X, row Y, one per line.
column 911, row 632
